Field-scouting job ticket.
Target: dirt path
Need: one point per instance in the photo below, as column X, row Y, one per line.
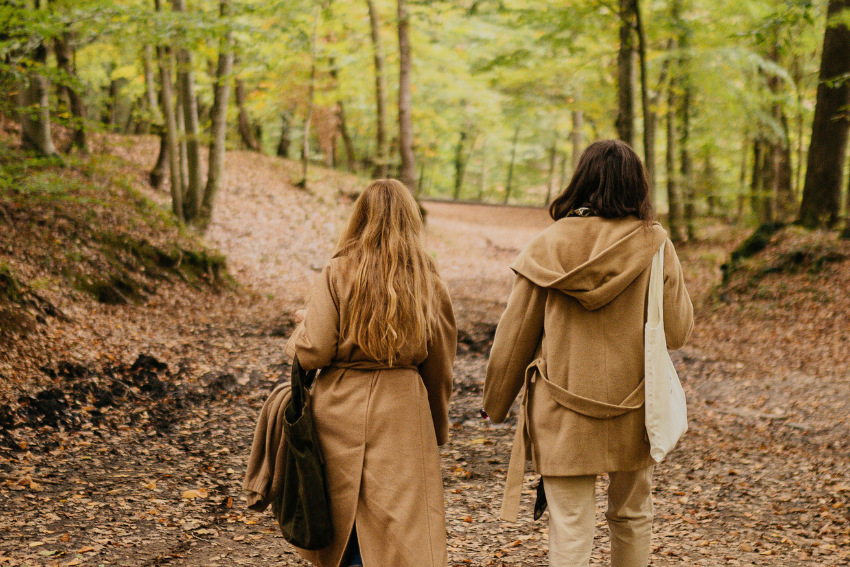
column 761, row 479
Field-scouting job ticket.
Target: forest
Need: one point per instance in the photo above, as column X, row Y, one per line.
column 174, row 174
column 734, row 106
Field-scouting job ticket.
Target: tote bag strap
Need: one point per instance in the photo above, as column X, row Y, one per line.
column 301, row 381
column 655, row 308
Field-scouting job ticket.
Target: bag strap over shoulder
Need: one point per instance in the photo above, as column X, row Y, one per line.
column 301, row 382
column 655, row 307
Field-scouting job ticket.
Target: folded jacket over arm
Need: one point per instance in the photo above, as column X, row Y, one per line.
column 266, row 465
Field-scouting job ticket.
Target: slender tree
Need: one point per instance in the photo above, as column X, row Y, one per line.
column 342, row 121
column 157, row 174
column 218, row 119
column 65, row 49
column 683, row 112
column 674, row 199
column 649, row 116
column 405, row 121
column 626, row 73
column 382, row 157
column 34, row 100
column 347, row 141
column 169, row 115
column 186, row 81
column 311, row 95
column 825, row 166
column 509, row 185
column 577, row 136
column 461, row 158
column 757, row 181
column 151, row 105
column 283, row 144
column 246, row 132
column 553, row 157
column 482, row 177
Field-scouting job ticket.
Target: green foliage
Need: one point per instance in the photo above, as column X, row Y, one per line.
column 480, row 67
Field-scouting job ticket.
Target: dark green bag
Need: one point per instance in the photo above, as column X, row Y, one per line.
column 303, row 509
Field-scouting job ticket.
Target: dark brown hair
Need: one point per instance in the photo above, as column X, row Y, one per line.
column 610, row 180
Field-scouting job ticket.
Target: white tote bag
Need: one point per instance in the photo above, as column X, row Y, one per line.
column 666, row 410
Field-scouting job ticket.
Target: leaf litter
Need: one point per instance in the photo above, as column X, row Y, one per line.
column 102, row 464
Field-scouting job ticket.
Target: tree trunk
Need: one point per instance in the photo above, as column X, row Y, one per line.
column 350, row 157
column 35, row 100
column 65, row 60
column 577, row 136
column 186, row 81
column 688, row 192
column 111, row 118
column 245, row 130
column 383, row 153
column 550, row 180
column 742, row 190
column 311, row 94
column 778, row 150
column 482, row 176
column 683, row 80
column 757, row 179
column 767, row 194
column 509, row 184
column 648, row 114
column 169, row 116
column 181, row 130
column 151, row 116
column 218, row 119
column 283, row 145
column 347, row 141
column 157, row 174
column 405, row 123
column 626, row 74
column 460, row 161
column 562, row 174
column 825, row 166
column 674, row 200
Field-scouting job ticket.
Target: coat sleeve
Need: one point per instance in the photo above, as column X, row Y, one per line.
column 436, row 369
column 678, row 309
column 315, row 340
column 516, row 341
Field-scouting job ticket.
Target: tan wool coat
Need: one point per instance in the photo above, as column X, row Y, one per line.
column 572, row 334
column 379, row 429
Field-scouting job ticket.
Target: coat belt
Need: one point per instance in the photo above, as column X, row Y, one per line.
column 579, row 404
column 368, row 365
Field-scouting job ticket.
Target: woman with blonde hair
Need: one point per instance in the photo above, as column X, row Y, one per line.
column 572, row 337
column 380, row 326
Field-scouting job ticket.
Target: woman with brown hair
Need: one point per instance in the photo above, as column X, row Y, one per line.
column 380, row 326
column 573, row 336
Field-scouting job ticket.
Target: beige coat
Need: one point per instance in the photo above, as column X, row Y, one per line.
column 379, row 429
column 573, row 332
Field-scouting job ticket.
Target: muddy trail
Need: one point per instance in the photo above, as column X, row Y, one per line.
column 139, row 460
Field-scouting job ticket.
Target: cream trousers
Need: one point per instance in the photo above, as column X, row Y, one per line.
column 572, row 518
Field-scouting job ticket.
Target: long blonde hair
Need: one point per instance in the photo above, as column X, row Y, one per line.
column 395, row 277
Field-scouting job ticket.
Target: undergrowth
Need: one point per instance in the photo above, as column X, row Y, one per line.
column 777, row 249
column 82, row 221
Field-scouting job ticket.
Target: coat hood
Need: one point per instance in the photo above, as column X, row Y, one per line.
column 592, row 259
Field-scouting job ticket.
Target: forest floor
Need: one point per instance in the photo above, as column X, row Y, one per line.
column 125, row 427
